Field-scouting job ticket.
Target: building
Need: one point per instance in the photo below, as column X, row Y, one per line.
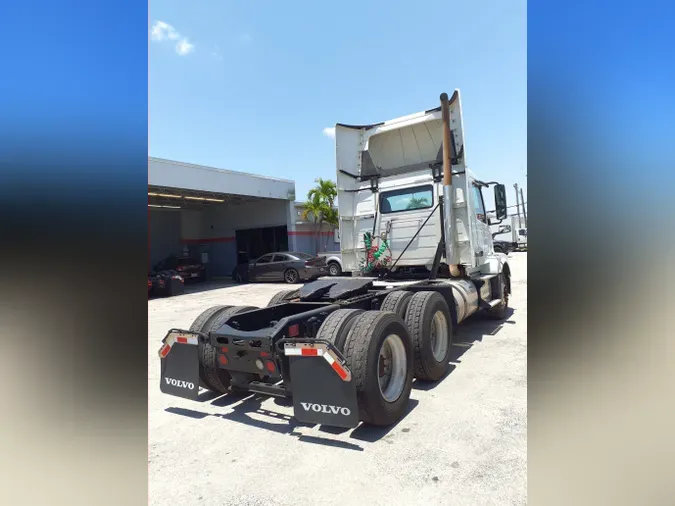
column 220, row 216
column 305, row 233
column 225, row 217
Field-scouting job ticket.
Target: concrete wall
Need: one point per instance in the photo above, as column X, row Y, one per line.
column 212, row 230
column 306, row 240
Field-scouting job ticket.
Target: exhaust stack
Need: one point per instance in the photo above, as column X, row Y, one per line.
column 451, row 253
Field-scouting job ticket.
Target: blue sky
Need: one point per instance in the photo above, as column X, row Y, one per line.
column 251, row 86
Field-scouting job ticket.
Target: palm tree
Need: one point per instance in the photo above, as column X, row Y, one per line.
column 417, row 203
column 315, row 206
column 325, row 189
column 320, row 203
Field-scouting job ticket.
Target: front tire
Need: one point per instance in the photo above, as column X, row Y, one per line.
column 378, row 351
column 499, row 311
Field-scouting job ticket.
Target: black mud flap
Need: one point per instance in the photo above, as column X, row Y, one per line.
column 323, row 390
column 180, row 365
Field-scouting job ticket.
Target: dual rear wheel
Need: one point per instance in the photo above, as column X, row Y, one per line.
column 211, row 377
column 409, row 337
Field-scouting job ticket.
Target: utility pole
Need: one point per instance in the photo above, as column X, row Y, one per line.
column 522, row 199
column 517, row 204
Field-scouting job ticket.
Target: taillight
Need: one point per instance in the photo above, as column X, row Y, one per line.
column 270, row 366
column 180, row 268
column 293, row 330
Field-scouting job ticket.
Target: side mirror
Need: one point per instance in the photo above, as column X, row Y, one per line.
column 500, row 201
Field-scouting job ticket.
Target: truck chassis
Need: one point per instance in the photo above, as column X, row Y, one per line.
column 345, row 349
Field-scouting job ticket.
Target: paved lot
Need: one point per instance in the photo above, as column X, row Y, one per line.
column 463, row 441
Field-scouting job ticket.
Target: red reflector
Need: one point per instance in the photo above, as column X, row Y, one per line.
column 182, row 340
column 222, row 359
column 270, row 366
column 164, row 351
column 224, row 350
column 338, row 369
column 294, row 330
column 264, row 354
column 310, row 352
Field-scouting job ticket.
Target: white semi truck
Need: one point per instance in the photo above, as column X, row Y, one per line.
column 512, row 233
column 416, row 240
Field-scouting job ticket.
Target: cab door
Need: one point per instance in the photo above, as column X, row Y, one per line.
column 482, row 238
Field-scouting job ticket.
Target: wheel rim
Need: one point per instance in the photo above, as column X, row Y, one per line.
column 333, row 270
column 439, row 336
column 291, row 276
column 391, row 367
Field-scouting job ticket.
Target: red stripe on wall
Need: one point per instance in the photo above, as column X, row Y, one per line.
column 308, row 233
column 207, row 240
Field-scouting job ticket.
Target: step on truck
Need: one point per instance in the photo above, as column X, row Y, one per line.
column 415, row 239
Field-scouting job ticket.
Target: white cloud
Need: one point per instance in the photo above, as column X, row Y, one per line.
column 163, row 31
column 184, row 47
column 329, row 132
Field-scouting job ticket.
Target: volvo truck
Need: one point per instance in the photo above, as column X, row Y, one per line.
column 418, row 258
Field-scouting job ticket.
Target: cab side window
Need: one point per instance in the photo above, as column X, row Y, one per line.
column 478, row 204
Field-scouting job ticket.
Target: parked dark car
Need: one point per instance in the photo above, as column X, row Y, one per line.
column 188, row 268
column 287, row 266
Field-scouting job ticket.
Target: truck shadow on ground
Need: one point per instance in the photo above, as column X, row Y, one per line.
column 250, row 412
column 470, row 332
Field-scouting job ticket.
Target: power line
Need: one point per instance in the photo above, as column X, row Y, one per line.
column 508, row 207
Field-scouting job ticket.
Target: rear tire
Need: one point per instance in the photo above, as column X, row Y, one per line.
column 428, row 319
column 283, row 296
column 334, row 269
column 198, row 326
column 218, row 379
column 336, row 327
column 397, row 302
column 291, row 276
column 372, row 333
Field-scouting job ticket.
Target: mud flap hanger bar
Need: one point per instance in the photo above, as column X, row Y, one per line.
column 181, row 337
column 316, row 348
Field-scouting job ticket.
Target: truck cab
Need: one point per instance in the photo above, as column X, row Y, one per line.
column 390, row 186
